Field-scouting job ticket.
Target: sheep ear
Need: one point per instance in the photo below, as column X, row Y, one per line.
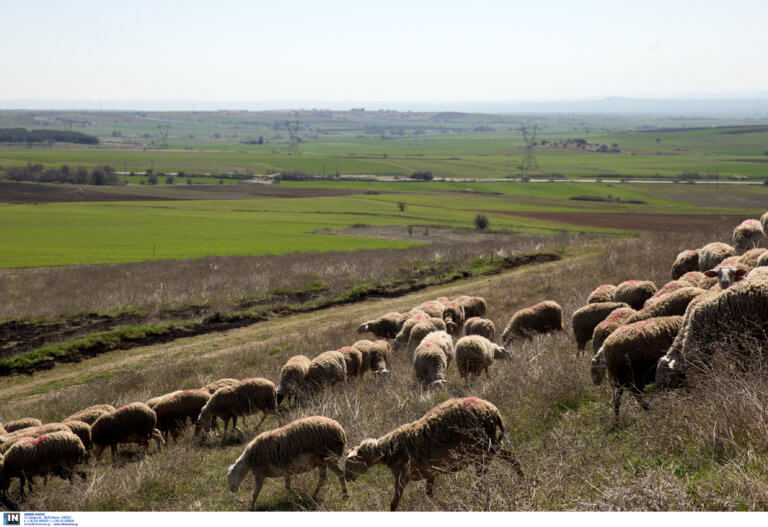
column 741, row 272
column 710, row 274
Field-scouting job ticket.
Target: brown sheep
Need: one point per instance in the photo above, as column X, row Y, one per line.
column 585, row 320
column 354, row 360
column 377, row 356
column 20, row 424
column 475, row 354
column 132, row 423
column 247, row 397
column 474, row 306
column 292, row 376
column 175, row 410
column 326, row 369
column 90, row 414
column 635, row 292
column 480, row 326
column 543, row 317
column 221, row 383
column 603, row 293
column 384, row 327
column 685, row 262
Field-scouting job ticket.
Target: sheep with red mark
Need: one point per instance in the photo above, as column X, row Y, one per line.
column 432, row 359
column 90, row 414
column 603, row 293
column 543, row 317
column 585, row 320
column 685, row 262
column 713, row 253
column 691, row 278
column 454, row 318
column 474, row 306
column 132, row 423
column 422, row 329
column 475, row 354
column 635, row 292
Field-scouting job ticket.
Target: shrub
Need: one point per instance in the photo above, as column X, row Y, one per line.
column 481, row 222
column 423, row 175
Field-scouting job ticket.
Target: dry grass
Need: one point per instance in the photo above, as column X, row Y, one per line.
column 704, row 448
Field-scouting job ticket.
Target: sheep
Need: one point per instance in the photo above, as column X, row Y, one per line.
column 404, row 335
column 764, row 221
column 602, row 331
column 432, row 359
column 719, row 319
column 56, row 453
column 432, row 308
column 713, row 253
column 354, row 360
column 685, row 262
column 635, row 292
column 691, row 278
column 631, row 352
column 384, row 327
column 326, row 369
column 474, row 306
column 448, row 438
column 174, row 410
column 82, row 430
column 667, row 288
column 480, row 326
column 292, row 376
column 541, row 318
column 585, row 320
column 454, row 317
column 244, row 398
column 762, row 261
column 747, row 235
column 221, row 383
column 475, row 354
column 758, row 272
column 132, row 423
column 671, row 304
column 8, row 440
column 726, row 275
column 2, row 429
column 19, row 424
column 750, row 259
column 422, row 329
column 298, row 447
column 377, row 355
column 603, row 293
column 90, row 414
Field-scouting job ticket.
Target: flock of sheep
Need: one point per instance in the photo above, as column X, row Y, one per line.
column 640, row 335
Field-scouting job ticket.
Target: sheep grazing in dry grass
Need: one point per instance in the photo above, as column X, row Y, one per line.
column 480, row 326
column 20, row 424
column 432, row 358
column 326, row 369
column 454, row 318
column 732, row 321
column 8, row 440
column 247, row 397
column 691, row 278
column 587, row 318
column 377, row 355
column 90, row 414
column 475, row 354
column 448, row 438
column 300, row 446
column 221, row 383
column 292, row 376
column 353, row 358
column 474, row 306
column 685, row 262
column 635, row 292
column 748, row 235
column 713, row 253
column 81, row 430
column 57, row 453
column 404, row 335
column 543, row 317
column 384, row 327
column 631, row 352
column 671, row 304
column 176, row 410
column 433, row 308
column 133, row 423
column 603, row 293
column 422, row 329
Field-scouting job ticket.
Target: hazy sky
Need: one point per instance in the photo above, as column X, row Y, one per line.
column 472, row 50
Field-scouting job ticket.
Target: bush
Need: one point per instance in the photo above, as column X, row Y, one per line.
column 423, row 175
column 169, row 179
column 481, row 222
column 152, row 179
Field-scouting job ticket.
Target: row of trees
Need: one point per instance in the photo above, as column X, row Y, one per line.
column 101, row 175
column 22, row 135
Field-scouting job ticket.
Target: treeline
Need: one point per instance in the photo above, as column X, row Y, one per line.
column 101, row 175
column 22, row 135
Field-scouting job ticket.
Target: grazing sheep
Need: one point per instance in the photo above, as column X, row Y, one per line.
column 422, row 329
column 404, row 335
column 474, row 306
column 587, row 318
column 603, row 293
column 635, row 292
column 631, row 352
column 448, row 438
column 691, row 278
column 82, row 430
column 326, row 369
column 377, row 356
column 480, row 326
column 747, row 235
column 432, row 358
column 433, row 308
column 56, row 453
column 8, row 440
column 354, row 360
column 90, row 414
column 384, row 327
column 175, row 410
column 719, row 320
column 541, row 318
column 300, row 446
column 475, row 354
column 244, row 398
column 685, row 262
column 20, row 424
column 133, row 423
column 221, row 383
column 454, row 317
column 292, row 376
column 712, row 254
column 671, row 304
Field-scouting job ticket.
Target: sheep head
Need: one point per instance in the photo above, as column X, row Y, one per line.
column 669, row 372
column 361, row 458
column 236, row 474
column 727, row 275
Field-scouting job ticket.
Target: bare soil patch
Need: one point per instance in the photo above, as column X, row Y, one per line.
column 12, row 192
column 424, row 233
column 633, row 222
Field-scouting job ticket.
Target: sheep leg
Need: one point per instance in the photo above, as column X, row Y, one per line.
column 290, row 489
column 430, row 486
column 638, row 395
column 487, row 373
column 617, row 391
column 322, row 475
column 258, row 481
column 340, row 473
column 263, row 417
column 158, row 439
column 113, row 451
column 226, row 427
column 509, row 457
column 400, row 482
column 234, row 425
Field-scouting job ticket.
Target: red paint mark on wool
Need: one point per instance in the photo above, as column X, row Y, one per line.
column 536, row 305
column 632, row 281
column 248, row 379
column 471, row 400
column 127, row 406
column 473, row 318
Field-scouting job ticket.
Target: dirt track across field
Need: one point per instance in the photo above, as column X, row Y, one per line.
column 630, row 221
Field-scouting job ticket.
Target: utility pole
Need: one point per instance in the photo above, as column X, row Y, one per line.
column 529, row 138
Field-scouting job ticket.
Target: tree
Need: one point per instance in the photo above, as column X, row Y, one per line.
column 401, row 206
column 481, row 222
column 169, row 179
column 152, row 179
column 189, row 181
column 261, row 140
